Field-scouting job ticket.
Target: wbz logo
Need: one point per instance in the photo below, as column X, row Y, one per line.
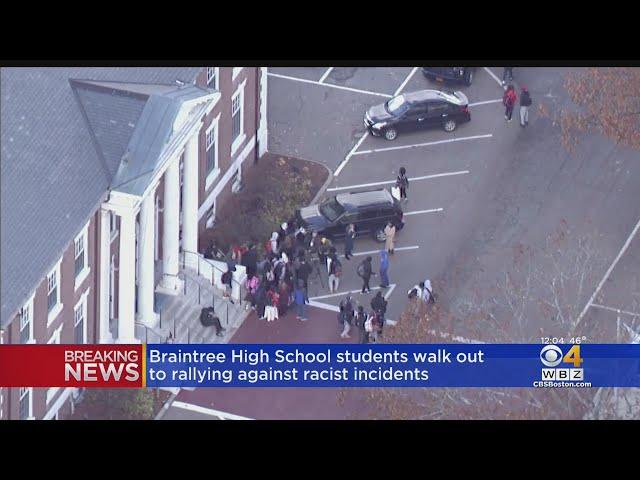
column 551, row 356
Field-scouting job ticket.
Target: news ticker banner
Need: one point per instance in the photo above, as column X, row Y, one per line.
column 321, row 365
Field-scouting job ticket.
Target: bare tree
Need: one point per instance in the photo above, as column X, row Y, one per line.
column 607, row 101
column 548, row 284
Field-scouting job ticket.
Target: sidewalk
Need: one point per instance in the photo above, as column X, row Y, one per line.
column 281, row 403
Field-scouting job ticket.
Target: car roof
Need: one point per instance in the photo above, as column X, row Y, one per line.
column 368, row 198
column 425, row 95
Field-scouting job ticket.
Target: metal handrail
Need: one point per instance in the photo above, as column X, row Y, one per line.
column 213, row 266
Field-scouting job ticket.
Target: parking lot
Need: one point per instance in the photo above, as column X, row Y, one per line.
column 475, row 193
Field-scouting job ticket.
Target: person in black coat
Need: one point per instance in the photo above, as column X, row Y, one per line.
column 360, row 318
column 348, row 241
column 365, row 271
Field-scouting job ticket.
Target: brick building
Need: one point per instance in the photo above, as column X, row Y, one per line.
column 109, row 175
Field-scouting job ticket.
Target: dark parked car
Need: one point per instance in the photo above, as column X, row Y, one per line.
column 417, row 110
column 450, row 74
column 369, row 211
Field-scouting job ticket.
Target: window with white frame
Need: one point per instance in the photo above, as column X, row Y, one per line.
column 26, row 322
column 237, row 113
column 211, row 216
column 236, row 180
column 26, row 408
column 80, row 320
column 53, row 290
column 236, row 71
column 80, row 256
column 212, row 77
column 53, row 340
column 211, row 143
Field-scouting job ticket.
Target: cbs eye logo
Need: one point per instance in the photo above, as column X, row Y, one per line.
column 551, row 356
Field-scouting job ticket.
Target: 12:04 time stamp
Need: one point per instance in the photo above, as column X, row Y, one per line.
column 577, row 340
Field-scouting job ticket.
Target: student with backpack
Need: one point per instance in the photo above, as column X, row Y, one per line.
column 402, row 182
column 525, row 103
column 509, row 101
column 226, row 279
column 301, row 299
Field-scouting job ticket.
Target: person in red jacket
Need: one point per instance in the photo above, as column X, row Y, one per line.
column 509, row 101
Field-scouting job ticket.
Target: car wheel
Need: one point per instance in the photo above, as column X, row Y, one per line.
column 379, row 235
column 450, row 125
column 390, row 134
column 468, row 78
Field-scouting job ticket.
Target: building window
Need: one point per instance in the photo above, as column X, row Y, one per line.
column 237, row 118
column 79, row 321
column 236, row 71
column 53, row 295
column 212, row 149
column 212, row 77
column 236, row 180
column 26, row 409
column 211, row 216
column 79, row 255
column 236, row 115
column 26, row 323
column 55, row 340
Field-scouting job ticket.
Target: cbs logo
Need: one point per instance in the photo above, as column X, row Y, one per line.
column 551, row 356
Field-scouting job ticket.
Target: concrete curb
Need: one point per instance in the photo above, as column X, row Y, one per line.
column 326, row 183
column 167, row 405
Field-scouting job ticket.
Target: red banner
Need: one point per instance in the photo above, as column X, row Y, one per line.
column 72, row 366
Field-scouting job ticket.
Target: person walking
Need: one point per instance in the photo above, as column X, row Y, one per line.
column 402, row 182
column 271, row 311
column 360, row 320
column 365, row 271
column 384, row 269
column 390, row 236
column 379, row 304
column 301, row 299
column 509, row 101
column 226, row 279
column 525, row 103
column 334, row 270
column 343, row 320
column 348, row 241
column 507, row 75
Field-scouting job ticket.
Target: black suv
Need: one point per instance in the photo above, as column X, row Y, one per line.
column 417, row 110
column 450, row 74
column 369, row 211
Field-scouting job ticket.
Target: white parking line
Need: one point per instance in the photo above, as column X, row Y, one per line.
column 418, row 212
column 389, row 182
column 208, row 411
column 339, row 87
column 404, row 147
column 390, row 291
column 606, row 275
column 406, row 80
column 350, row 154
column 371, row 252
column 497, row 100
column 325, row 75
column 616, row 310
column 495, row 77
column 392, row 286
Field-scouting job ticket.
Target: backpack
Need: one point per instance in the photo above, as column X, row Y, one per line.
column 368, row 325
column 413, row 293
column 226, row 278
column 360, row 271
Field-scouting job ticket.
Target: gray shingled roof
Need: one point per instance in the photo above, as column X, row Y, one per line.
column 56, row 165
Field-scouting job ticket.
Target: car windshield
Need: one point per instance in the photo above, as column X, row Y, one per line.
column 397, row 106
column 331, row 209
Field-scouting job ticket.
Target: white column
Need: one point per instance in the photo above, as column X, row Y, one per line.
column 146, row 267
column 190, row 189
column 126, row 278
column 105, row 275
column 171, row 227
column 263, row 136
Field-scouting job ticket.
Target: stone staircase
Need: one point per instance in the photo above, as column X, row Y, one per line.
column 179, row 315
